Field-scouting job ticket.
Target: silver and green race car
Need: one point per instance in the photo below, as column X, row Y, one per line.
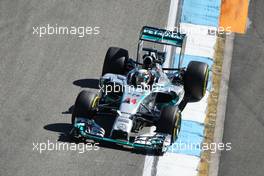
column 140, row 101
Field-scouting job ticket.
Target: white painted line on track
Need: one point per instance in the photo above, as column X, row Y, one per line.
column 186, row 165
column 149, row 160
column 196, row 111
column 200, row 42
column 170, row 26
column 172, row 14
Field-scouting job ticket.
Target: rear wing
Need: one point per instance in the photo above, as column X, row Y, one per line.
column 162, row 36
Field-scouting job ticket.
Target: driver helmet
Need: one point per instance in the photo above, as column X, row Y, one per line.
column 147, row 61
column 142, row 77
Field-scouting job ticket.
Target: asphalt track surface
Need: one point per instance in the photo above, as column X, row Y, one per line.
column 41, row 77
column 244, row 122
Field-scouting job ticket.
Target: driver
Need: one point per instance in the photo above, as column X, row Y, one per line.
column 142, row 77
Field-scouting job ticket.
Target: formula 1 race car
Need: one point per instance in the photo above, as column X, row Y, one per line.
column 141, row 94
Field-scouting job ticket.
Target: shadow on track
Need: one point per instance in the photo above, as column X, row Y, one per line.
column 69, row 111
column 58, row 127
column 87, row 83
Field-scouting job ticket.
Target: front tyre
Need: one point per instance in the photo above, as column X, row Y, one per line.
column 84, row 105
column 170, row 122
column 195, row 80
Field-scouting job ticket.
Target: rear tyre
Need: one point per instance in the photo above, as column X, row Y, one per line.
column 170, row 122
column 115, row 61
column 85, row 103
column 196, row 79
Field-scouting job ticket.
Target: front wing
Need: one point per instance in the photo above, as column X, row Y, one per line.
column 88, row 129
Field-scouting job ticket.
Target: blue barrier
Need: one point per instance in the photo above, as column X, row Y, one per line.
column 189, row 140
column 201, row 12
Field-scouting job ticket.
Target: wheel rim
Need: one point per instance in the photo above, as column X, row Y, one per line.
column 176, row 128
column 205, row 82
column 95, row 102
